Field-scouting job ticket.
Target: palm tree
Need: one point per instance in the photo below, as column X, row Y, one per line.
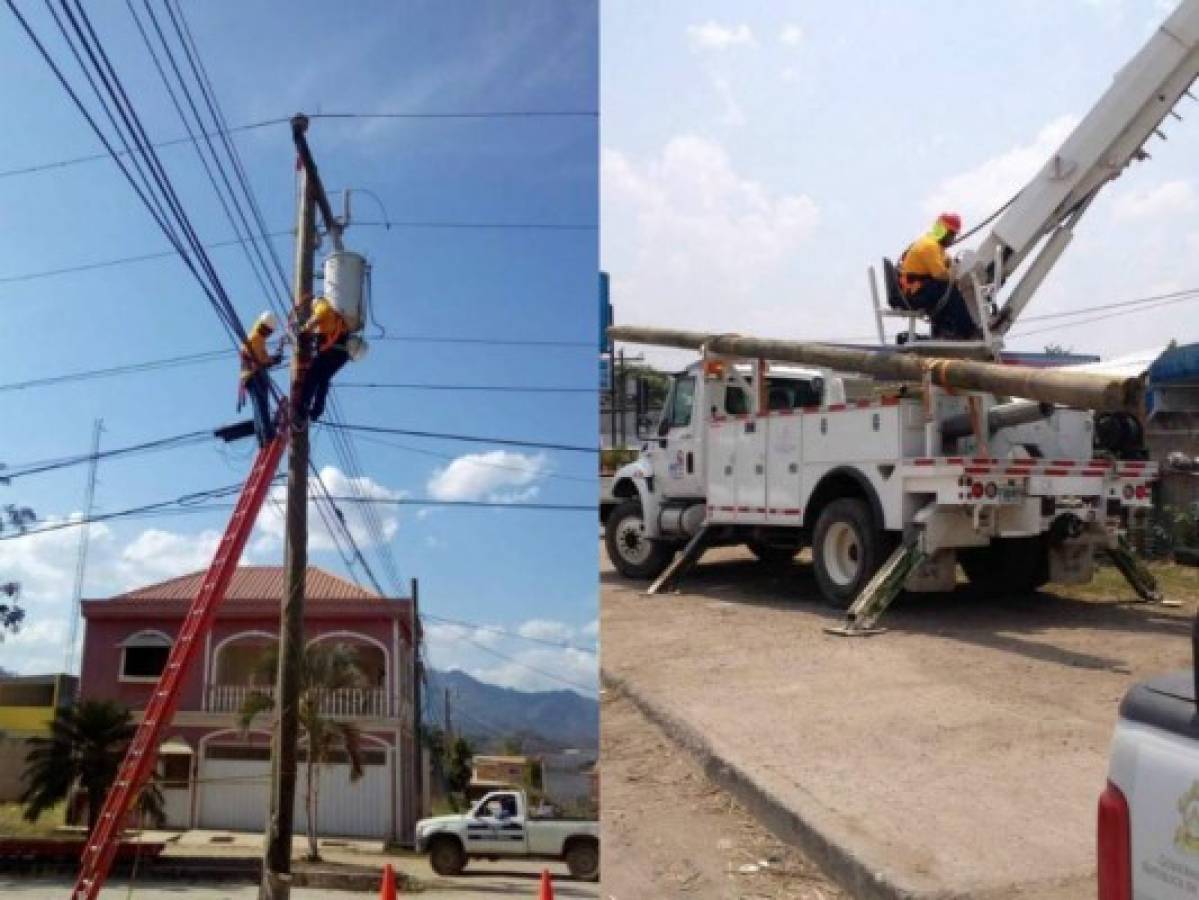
column 325, row 668
column 87, row 742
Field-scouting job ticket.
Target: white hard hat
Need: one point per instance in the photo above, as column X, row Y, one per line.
column 267, row 320
column 357, row 347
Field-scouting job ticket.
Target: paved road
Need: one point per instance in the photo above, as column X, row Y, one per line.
column 482, row 879
column 961, row 751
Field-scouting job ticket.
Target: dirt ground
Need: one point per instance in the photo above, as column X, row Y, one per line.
column 669, row 832
column 960, row 753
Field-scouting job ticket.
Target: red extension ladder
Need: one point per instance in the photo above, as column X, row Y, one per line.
column 143, row 751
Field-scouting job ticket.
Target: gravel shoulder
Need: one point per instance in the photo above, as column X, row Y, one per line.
column 668, row 831
column 959, row 754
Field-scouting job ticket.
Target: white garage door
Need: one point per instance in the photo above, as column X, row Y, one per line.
column 234, row 783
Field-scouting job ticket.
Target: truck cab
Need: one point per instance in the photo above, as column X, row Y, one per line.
column 501, row 824
column 661, row 498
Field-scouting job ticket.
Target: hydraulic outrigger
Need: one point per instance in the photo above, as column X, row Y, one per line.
column 143, row 750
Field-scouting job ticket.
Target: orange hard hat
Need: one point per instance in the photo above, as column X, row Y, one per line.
column 951, row 220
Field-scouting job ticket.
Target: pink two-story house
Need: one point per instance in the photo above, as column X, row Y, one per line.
column 215, row 775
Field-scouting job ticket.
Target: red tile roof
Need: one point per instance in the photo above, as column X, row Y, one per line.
column 255, row 583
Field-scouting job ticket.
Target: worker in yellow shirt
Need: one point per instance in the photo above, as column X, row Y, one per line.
column 256, row 360
column 926, row 281
column 331, row 354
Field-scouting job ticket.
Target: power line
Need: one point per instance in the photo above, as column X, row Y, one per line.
column 582, row 688
column 195, row 503
column 168, row 443
column 561, row 645
column 494, row 388
column 437, row 224
column 96, row 157
column 112, row 371
column 484, row 114
column 470, row 504
column 474, row 439
column 474, row 462
column 265, row 123
column 1112, row 315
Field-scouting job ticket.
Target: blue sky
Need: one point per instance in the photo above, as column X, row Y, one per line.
column 758, row 157
column 532, row 571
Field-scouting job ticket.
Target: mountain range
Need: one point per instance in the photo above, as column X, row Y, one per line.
column 491, row 716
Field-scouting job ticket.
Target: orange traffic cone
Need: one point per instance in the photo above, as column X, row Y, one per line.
column 387, row 890
column 547, row 886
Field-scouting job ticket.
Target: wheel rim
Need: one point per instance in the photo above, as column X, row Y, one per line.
column 842, row 553
column 631, row 541
column 585, row 860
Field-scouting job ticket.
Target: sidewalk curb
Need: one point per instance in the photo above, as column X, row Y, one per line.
column 826, row 844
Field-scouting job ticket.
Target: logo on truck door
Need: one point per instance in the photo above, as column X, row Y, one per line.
column 1186, row 838
column 677, row 467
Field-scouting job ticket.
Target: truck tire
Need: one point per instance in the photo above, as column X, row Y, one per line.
column 632, row 553
column 446, row 856
column 772, row 554
column 1007, row 565
column 847, row 549
column 582, row 859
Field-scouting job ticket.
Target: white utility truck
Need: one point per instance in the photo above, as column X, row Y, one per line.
column 500, row 826
column 895, row 463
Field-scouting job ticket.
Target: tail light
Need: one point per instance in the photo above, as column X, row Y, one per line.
column 976, row 490
column 1142, row 492
column 1115, row 846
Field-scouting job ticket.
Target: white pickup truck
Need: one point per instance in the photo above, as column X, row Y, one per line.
column 1149, row 813
column 500, row 825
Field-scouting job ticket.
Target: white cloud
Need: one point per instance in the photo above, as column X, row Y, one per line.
column 546, row 630
column 691, row 240
column 731, row 113
column 1166, row 199
column 522, row 665
column 792, row 35
column 500, row 476
column 270, row 520
column 978, row 192
column 712, row 35
column 156, row 555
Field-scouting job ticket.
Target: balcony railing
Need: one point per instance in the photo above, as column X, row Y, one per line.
column 342, row 702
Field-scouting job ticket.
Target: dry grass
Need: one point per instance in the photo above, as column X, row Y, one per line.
column 13, row 823
column 1179, row 583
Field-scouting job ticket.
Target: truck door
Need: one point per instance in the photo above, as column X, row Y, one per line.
column 786, row 400
column 497, row 827
column 676, row 450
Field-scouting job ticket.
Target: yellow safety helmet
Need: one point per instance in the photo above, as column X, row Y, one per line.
column 267, row 322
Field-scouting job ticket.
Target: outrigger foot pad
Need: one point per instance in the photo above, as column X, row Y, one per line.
column 681, row 564
column 862, row 618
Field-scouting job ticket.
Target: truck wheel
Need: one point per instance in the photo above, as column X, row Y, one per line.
column 1007, row 565
column 772, row 554
column 582, row 859
column 447, row 857
column 634, row 554
column 847, row 549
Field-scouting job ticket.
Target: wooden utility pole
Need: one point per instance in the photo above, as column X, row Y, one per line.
column 276, row 868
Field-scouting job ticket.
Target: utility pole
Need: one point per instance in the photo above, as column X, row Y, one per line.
column 81, row 559
column 276, row 869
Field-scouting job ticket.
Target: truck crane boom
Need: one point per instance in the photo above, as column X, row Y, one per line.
column 1038, row 224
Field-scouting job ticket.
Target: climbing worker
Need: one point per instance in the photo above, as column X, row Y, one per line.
column 331, row 354
column 256, row 360
column 926, row 281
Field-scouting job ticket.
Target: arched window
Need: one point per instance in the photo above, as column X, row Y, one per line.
column 144, row 655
